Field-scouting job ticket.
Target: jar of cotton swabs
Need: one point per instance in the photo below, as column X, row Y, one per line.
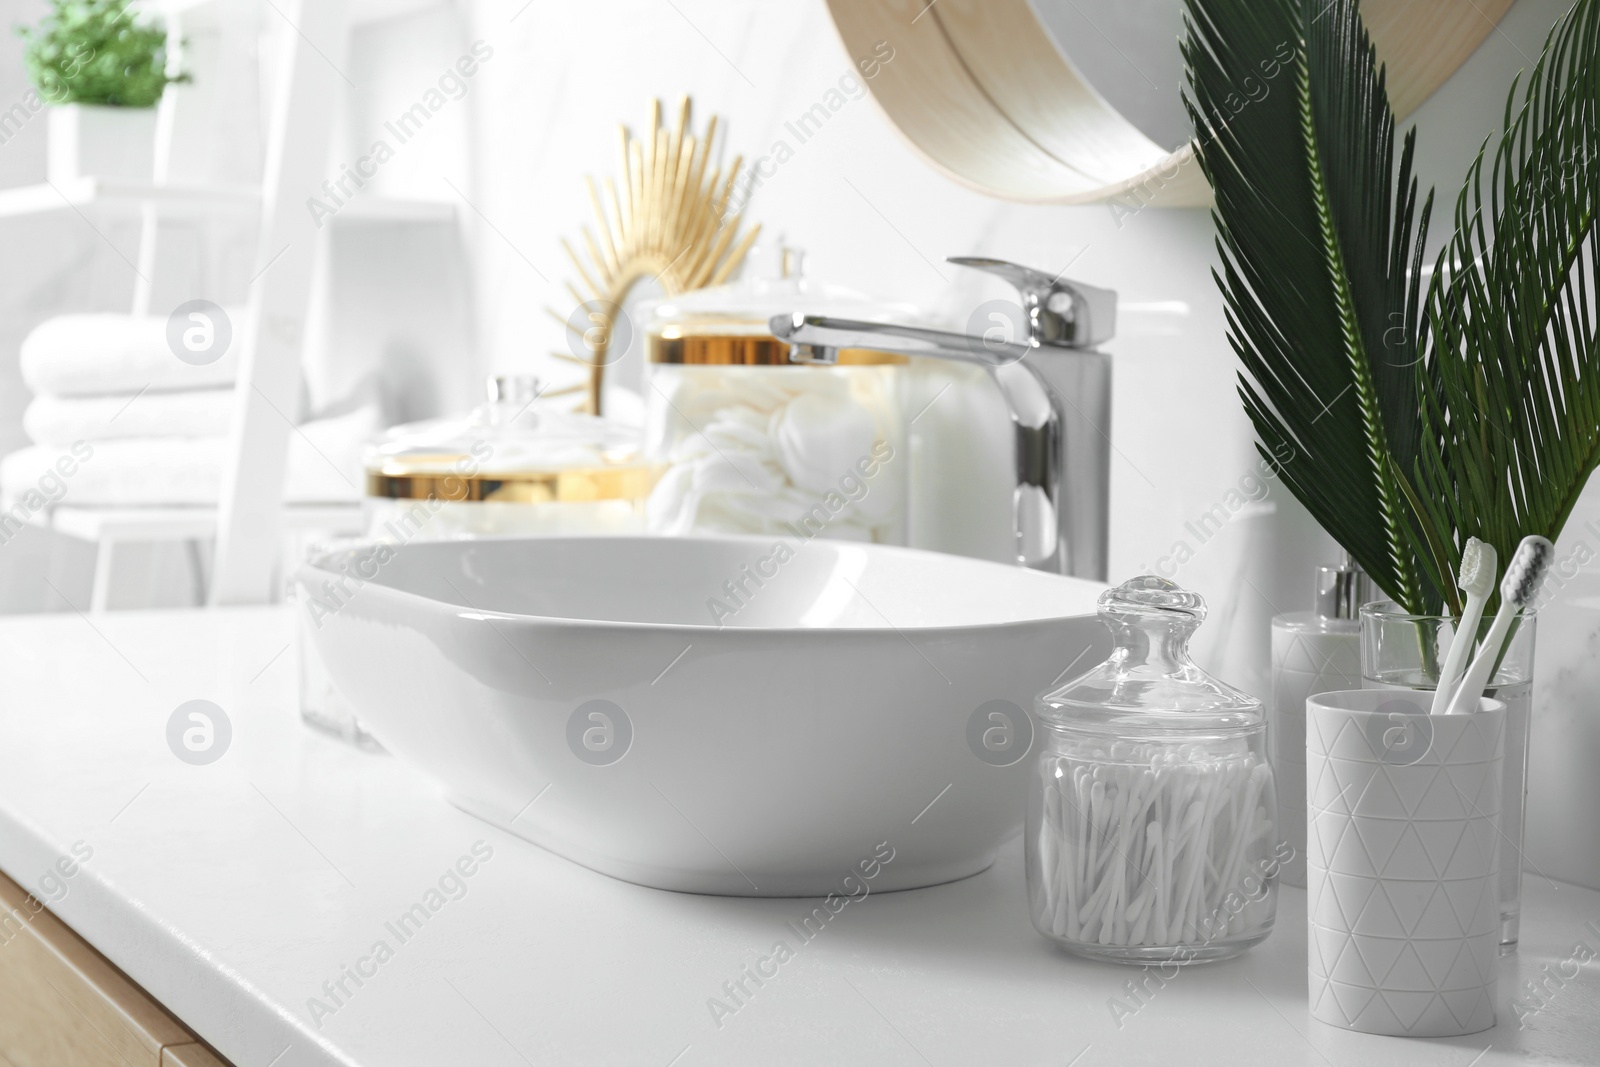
column 1152, row 821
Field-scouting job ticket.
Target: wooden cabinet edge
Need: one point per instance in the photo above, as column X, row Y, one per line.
column 87, row 989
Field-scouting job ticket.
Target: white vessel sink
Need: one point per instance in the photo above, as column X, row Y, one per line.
column 581, row 694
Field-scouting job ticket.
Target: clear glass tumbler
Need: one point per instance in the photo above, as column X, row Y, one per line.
column 1401, row 651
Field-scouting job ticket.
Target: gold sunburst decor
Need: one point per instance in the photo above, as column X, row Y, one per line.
column 669, row 221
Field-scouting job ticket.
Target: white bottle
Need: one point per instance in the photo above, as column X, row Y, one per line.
column 1317, row 651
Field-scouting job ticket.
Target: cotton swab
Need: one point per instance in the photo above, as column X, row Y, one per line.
column 1149, row 843
column 1479, row 563
column 1524, row 574
column 1158, row 920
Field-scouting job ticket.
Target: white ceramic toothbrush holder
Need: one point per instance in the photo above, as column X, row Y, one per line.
column 1402, row 890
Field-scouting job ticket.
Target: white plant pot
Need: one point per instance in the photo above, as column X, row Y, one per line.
column 92, row 141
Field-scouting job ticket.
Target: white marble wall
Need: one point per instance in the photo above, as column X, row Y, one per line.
column 874, row 216
column 1564, row 789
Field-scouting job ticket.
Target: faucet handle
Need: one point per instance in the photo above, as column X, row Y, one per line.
column 1061, row 312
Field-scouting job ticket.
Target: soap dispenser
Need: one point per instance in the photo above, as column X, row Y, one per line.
column 1316, row 651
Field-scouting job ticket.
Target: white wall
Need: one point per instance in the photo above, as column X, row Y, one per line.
column 872, row 215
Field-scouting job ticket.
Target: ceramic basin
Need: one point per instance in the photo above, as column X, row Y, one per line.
column 710, row 714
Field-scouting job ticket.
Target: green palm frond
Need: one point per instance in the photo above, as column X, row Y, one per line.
column 1319, row 238
column 1512, row 377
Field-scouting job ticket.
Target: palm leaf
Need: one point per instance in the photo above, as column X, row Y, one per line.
column 1511, row 427
column 1315, row 236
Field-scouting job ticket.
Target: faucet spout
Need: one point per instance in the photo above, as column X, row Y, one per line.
column 1056, row 387
column 819, row 338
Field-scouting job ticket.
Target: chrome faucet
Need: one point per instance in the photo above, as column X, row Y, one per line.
column 1057, row 385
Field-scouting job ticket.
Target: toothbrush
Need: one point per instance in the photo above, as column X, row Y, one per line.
column 1478, row 565
column 1524, row 574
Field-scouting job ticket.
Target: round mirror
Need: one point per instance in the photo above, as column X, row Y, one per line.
column 1127, row 50
column 1077, row 101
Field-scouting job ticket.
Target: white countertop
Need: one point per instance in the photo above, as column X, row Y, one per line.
column 233, row 891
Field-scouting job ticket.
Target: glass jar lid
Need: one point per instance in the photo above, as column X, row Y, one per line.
column 1149, row 685
column 727, row 325
column 512, row 449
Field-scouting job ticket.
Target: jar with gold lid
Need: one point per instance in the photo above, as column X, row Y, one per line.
column 512, row 466
column 750, row 443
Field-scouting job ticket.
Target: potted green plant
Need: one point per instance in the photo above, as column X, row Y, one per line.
column 102, row 70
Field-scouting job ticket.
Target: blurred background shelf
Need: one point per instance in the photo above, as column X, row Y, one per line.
column 102, row 194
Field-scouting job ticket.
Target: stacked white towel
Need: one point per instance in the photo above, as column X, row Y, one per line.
column 139, row 427
column 52, row 420
column 104, row 354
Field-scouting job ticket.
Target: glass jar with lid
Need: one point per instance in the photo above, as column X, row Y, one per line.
column 511, row 466
column 751, row 443
column 1152, row 816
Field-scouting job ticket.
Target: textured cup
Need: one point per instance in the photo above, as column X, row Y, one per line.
column 1402, row 891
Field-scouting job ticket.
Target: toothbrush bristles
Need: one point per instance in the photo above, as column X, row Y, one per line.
column 1526, row 571
column 1478, row 564
column 1520, row 585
